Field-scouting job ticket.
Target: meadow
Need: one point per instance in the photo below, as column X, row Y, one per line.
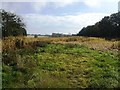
column 61, row 62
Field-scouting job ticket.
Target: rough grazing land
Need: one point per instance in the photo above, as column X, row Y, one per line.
column 67, row 62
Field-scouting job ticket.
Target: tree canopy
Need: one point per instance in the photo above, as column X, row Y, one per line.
column 108, row 27
column 12, row 24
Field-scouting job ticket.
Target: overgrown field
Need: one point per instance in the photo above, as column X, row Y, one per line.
column 67, row 62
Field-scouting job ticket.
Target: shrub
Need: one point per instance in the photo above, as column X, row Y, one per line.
column 71, row 45
column 9, row 58
column 71, row 39
column 19, row 43
column 35, row 36
column 39, row 43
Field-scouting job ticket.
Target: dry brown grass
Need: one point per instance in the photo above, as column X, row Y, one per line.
column 91, row 42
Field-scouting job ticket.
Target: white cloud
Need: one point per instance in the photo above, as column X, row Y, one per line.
column 89, row 3
column 93, row 3
column 44, row 24
column 67, row 24
column 67, row 1
column 0, row 5
column 98, row 3
column 38, row 5
column 11, row 7
column 38, row 0
column 64, row 3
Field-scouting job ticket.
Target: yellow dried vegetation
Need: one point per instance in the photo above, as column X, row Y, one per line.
column 9, row 43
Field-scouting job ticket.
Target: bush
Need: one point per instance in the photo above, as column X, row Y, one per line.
column 35, row 36
column 19, row 43
column 71, row 39
column 9, row 58
column 40, row 43
column 71, row 45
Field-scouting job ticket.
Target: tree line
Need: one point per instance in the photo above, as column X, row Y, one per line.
column 108, row 27
column 12, row 24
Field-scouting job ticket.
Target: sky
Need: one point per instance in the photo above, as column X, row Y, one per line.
column 59, row 16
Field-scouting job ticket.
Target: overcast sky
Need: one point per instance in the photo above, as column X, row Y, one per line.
column 62, row 16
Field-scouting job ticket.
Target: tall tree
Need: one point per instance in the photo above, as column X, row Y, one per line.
column 108, row 27
column 12, row 24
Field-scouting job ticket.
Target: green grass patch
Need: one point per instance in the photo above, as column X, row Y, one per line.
column 61, row 65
